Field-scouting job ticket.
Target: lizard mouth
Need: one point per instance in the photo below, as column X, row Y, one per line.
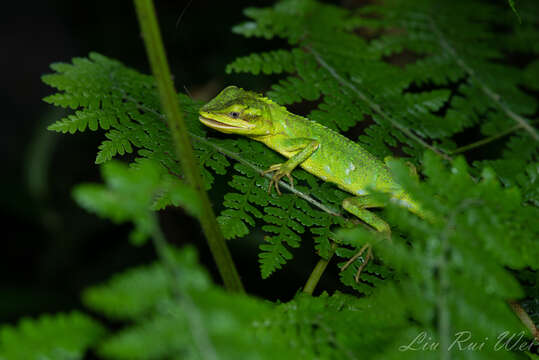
column 218, row 125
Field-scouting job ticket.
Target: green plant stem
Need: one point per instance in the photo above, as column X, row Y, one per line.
column 317, row 272
column 184, row 152
column 485, row 140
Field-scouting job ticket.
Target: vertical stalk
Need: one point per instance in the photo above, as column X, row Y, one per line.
column 317, row 272
column 315, row 276
column 184, row 152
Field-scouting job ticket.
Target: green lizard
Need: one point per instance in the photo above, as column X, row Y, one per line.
column 317, row 149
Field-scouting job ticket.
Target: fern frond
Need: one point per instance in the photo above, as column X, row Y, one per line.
column 130, row 193
column 271, row 62
column 61, row 337
column 472, row 227
column 117, row 144
column 324, row 326
column 242, row 209
column 518, row 165
column 203, row 322
column 138, row 292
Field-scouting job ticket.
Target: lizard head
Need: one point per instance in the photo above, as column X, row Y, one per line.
column 236, row 111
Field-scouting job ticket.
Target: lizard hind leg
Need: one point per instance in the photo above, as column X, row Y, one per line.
column 358, row 206
column 366, row 247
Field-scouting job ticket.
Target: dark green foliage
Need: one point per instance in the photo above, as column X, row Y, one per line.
column 416, row 77
column 326, row 326
column 205, row 322
column 59, row 337
column 130, row 194
column 477, row 231
column 513, row 7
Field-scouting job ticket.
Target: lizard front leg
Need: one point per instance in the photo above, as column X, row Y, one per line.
column 305, row 147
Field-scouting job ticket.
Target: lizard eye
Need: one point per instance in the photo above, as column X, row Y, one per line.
column 235, row 114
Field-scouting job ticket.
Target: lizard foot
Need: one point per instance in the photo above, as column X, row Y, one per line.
column 366, row 247
column 279, row 173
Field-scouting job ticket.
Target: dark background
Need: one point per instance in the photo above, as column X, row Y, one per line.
column 51, row 249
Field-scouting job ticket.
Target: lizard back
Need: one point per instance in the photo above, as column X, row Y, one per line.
column 338, row 159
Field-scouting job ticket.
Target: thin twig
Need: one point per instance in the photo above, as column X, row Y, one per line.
column 374, row 106
column 485, row 140
column 495, row 97
column 237, row 157
column 525, row 318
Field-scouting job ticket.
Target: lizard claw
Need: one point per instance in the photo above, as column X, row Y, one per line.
column 279, row 173
column 290, row 179
column 276, row 183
